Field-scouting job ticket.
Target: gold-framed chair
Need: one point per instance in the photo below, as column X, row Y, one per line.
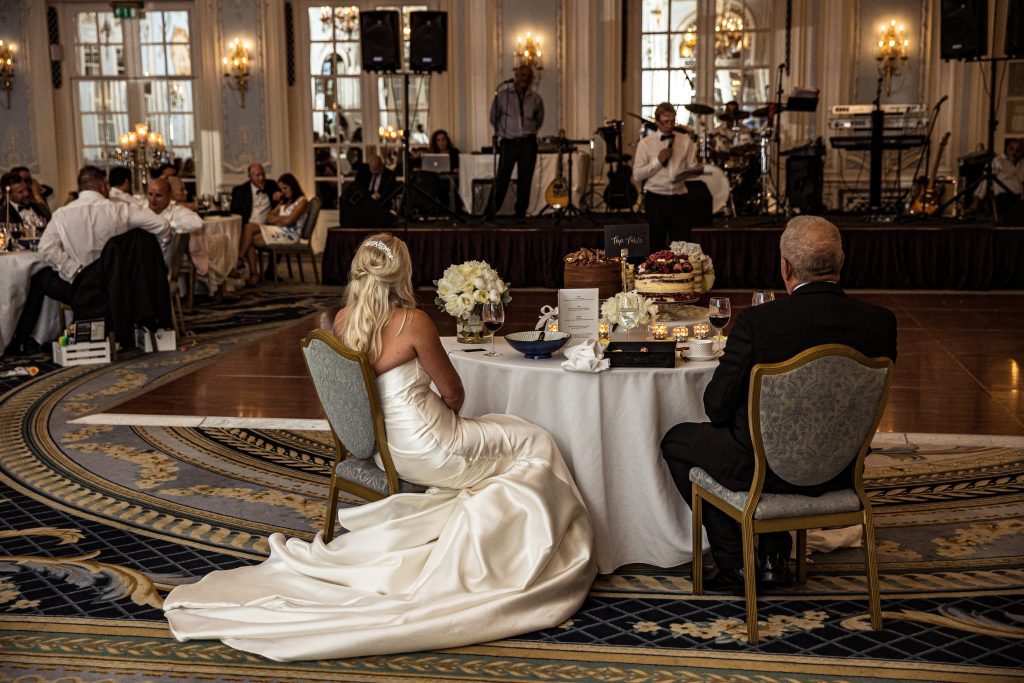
column 301, row 248
column 810, row 416
column 180, row 268
column 347, row 388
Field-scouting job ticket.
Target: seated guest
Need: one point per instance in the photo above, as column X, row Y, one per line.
column 440, row 143
column 120, row 179
column 21, row 208
column 179, row 193
column 378, row 180
column 252, row 200
column 73, row 242
column 1008, row 190
column 817, row 312
column 419, row 136
column 40, row 193
column 180, row 218
column 282, row 226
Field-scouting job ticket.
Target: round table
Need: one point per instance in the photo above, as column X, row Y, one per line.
column 16, row 271
column 609, row 427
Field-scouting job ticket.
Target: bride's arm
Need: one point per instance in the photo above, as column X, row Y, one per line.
column 435, row 360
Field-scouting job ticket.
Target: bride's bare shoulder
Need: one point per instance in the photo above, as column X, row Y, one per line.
column 339, row 320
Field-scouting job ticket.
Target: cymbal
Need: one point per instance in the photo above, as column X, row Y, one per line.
column 738, row 115
column 653, row 125
column 699, row 109
column 760, row 112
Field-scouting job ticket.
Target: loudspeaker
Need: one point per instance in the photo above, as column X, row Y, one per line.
column 1014, row 45
column 357, row 209
column 964, row 29
column 482, row 194
column 428, row 41
column 380, row 40
column 805, row 180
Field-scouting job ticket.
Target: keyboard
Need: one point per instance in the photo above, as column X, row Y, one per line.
column 861, row 143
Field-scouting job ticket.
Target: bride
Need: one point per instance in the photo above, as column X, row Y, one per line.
column 500, row 544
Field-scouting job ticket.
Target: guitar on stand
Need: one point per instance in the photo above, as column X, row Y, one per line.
column 928, row 199
column 557, row 194
column 620, row 194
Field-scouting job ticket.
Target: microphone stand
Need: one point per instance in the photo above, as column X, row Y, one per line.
column 495, row 141
column 776, row 180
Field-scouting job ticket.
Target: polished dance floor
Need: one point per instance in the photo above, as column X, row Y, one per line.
column 960, row 369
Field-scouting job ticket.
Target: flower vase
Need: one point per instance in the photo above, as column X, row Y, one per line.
column 469, row 329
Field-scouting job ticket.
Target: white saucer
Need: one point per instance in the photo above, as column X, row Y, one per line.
column 685, row 353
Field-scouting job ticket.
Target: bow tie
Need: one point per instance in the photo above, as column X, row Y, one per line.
column 667, row 137
column 260, row 190
column 23, row 207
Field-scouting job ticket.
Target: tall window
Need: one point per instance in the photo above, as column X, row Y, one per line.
column 348, row 108
column 671, row 69
column 133, row 71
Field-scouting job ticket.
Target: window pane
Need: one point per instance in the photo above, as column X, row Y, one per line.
column 655, row 15
column 655, row 51
column 655, row 87
column 317, row 29
column 684, row 50
column 180, row 60
column 176, row 27
column 151, row 28
column 154, row 62
column 110, row 28
column 684, row 15
column 348, row 93
column 680, row 90
column 87, row 31
column 180, row 96
column 102, row 96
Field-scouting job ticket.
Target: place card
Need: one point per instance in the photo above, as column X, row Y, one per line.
column 578, row 312
column 631, row 236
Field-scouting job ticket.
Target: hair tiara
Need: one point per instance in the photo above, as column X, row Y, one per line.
column 377, row 244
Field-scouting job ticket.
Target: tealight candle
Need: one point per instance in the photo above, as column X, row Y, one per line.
column 681, row 333
column 603, row 330
column 701, row 330
column 553, row 326
column 659, row 330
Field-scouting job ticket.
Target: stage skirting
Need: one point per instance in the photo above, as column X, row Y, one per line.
column 877, row 257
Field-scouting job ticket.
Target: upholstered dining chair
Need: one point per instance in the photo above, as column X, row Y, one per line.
column 180, row 269
column 301, row 248
column 810, row 417
column 347, row 389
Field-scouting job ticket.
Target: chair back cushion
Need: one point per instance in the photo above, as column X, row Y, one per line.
column 816, row 417
column 309, row 220
column 340, row 383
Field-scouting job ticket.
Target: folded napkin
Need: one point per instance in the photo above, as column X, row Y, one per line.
column 586, row 357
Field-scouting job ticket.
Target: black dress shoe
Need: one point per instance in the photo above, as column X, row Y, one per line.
column 775, row 571
column 725, row 582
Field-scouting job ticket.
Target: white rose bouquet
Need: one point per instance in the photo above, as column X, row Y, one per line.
column 467, row 285
column 610, row 308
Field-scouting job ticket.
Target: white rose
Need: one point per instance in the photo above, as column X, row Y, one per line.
column 481, row 296
column 494, row 296
column 453, row 308
column 479, row 283
column 467, row 301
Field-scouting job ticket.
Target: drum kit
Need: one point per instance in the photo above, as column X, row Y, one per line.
column 734, row 155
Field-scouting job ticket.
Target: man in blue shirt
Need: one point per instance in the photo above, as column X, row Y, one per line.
column 517, row 113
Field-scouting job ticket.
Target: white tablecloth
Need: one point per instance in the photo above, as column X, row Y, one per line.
column 478, row 166
column 609, row 428
column 223, row 234
column 16, row 270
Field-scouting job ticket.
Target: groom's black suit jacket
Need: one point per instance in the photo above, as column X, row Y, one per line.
column 816, row 313
column 241, row 198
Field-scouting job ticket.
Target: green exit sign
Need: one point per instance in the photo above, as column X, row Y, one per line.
column 127, row 10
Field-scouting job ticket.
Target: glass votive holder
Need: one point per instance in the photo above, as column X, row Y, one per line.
column 552, row 325
column 700, row 330
column 603, row 330
column 681, row 333
column 659, row 331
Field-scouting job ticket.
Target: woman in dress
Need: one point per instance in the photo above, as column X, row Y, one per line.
column 498, row 546
column 440, row 143
column 283, row 226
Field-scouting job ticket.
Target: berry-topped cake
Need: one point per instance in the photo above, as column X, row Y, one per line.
column 679, row 274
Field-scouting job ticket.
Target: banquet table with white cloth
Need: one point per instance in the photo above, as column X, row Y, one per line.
column 223, row 235
column 16, row 271
column 609, row 427
column 480, row 166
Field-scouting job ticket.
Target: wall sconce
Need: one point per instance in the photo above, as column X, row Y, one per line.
column 236, row 67
column 891, row 52
column 528, row 52
column 7, row 51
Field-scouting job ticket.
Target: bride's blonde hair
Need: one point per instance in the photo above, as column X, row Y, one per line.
column 379, row 281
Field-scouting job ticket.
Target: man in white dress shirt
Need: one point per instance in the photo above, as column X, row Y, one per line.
column 181, row 219
column 120, row 180
column 663, row 163
column 1008, row 190
column 74, row 240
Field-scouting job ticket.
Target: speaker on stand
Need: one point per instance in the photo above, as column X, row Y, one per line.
column 964, row 29
column 428, row 41
column 1014, row 44
column 380, row 40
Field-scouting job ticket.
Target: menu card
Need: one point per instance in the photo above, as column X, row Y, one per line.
column 578, row 312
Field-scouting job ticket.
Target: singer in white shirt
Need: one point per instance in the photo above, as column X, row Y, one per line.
column 664, row 162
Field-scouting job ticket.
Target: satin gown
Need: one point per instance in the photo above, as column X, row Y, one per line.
column 500, row 545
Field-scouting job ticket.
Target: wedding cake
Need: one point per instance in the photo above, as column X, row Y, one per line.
column 678, row 274
column 589, row 268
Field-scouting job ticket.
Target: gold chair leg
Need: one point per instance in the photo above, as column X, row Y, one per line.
column 871, row 562
column 331, row 516
column 697, row 566
column 750, row 583
column 801, row 556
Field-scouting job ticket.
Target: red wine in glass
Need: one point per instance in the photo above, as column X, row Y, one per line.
column 718, row 321
column 492, row 325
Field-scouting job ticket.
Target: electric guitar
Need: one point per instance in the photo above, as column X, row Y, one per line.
column 927, row 201
column 557, row 194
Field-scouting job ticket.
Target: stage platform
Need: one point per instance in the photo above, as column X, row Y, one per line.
column 933, row 254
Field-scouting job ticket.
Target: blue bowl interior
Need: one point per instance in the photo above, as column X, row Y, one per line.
column 528, row 344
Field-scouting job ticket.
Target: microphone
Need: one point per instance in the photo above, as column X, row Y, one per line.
column 507, row 81
column 939, row 103
column 670, row 141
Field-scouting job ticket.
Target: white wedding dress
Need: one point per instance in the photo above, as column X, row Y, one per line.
column 499, row 547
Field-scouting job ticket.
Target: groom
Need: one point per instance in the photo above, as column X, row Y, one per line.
column 816, row 312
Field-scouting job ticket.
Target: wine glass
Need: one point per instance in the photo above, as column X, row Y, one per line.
column 762, row 296
column 719, row 312
column 493, row 317
column 629, row 317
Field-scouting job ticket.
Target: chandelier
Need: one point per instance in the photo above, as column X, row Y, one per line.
column 730, row 40
column 528, row 52
column 891, row 52
column 344, row 19
column 140, row 150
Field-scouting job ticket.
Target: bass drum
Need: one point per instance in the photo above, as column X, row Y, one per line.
column 718, row 184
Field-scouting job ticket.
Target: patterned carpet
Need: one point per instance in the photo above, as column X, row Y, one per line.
column 98, row 522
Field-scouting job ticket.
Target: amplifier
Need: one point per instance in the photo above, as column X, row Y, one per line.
column 866, row 109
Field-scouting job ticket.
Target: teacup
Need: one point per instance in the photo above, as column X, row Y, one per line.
column 701, row 348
